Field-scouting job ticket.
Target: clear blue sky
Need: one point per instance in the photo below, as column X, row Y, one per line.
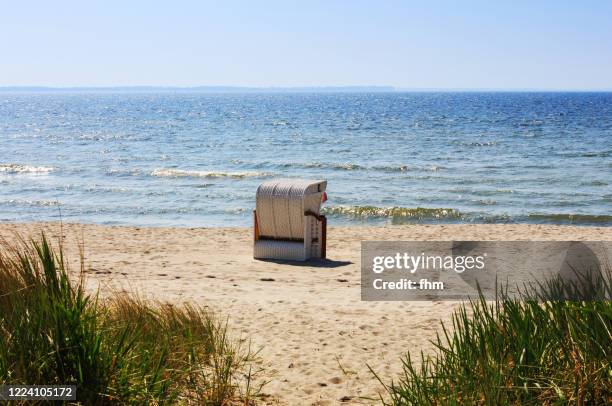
column 426, row 44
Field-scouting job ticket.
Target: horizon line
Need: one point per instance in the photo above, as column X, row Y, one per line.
column 330, row 88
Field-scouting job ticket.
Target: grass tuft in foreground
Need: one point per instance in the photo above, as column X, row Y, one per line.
column 117, row 350
column 534, row 350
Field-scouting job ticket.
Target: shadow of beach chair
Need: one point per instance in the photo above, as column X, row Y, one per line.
column 287, row 220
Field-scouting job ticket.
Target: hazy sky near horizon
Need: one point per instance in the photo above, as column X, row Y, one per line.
column 437, row 44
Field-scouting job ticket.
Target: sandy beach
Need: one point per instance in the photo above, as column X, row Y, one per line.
column 317, row 337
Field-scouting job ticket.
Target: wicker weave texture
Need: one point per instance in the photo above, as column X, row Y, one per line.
column 281, row 205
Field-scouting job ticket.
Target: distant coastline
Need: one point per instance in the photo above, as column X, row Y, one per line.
column 201, row 89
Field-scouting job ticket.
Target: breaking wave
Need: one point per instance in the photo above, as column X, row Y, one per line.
column 399, row 215
column 416, row 213
column 17, row 168
column 407, row 168
column 181, row 173
column 35, row 203
column 335, row 166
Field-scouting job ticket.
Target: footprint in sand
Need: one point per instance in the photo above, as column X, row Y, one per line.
column 335, row 380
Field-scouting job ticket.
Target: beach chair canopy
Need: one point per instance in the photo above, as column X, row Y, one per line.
column 282, row 204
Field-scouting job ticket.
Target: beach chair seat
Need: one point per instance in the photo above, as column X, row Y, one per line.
column 287, row 220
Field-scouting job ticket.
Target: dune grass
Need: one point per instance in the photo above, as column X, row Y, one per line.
column 534, row 349
column 116, row 350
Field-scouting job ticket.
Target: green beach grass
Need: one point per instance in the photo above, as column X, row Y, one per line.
column 116, row 350
column 534, row 350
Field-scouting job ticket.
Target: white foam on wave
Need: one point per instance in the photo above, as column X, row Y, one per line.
column 17, row 168
column 177, row 173
column 38, row 203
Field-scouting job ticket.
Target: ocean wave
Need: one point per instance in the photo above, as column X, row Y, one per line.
column 572, row 218
column 123, row 172
column 17, row 168
column 349, row 166
column 236, row 210
column 591, row 154
column 407, row 168
column 335, row 166
column 482, row 192
column 181, row 173
column 539, row 166
column 602, row 154
column 532, row 123
column 594, row 183
column 400, row 215
column 478, row 144
column 484, row 202
column 339, row 166
column 33, row 203
column 363, row 212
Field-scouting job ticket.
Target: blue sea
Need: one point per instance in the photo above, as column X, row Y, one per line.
column 195, row 159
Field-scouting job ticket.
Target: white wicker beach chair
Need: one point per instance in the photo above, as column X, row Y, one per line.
column 287, row 223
